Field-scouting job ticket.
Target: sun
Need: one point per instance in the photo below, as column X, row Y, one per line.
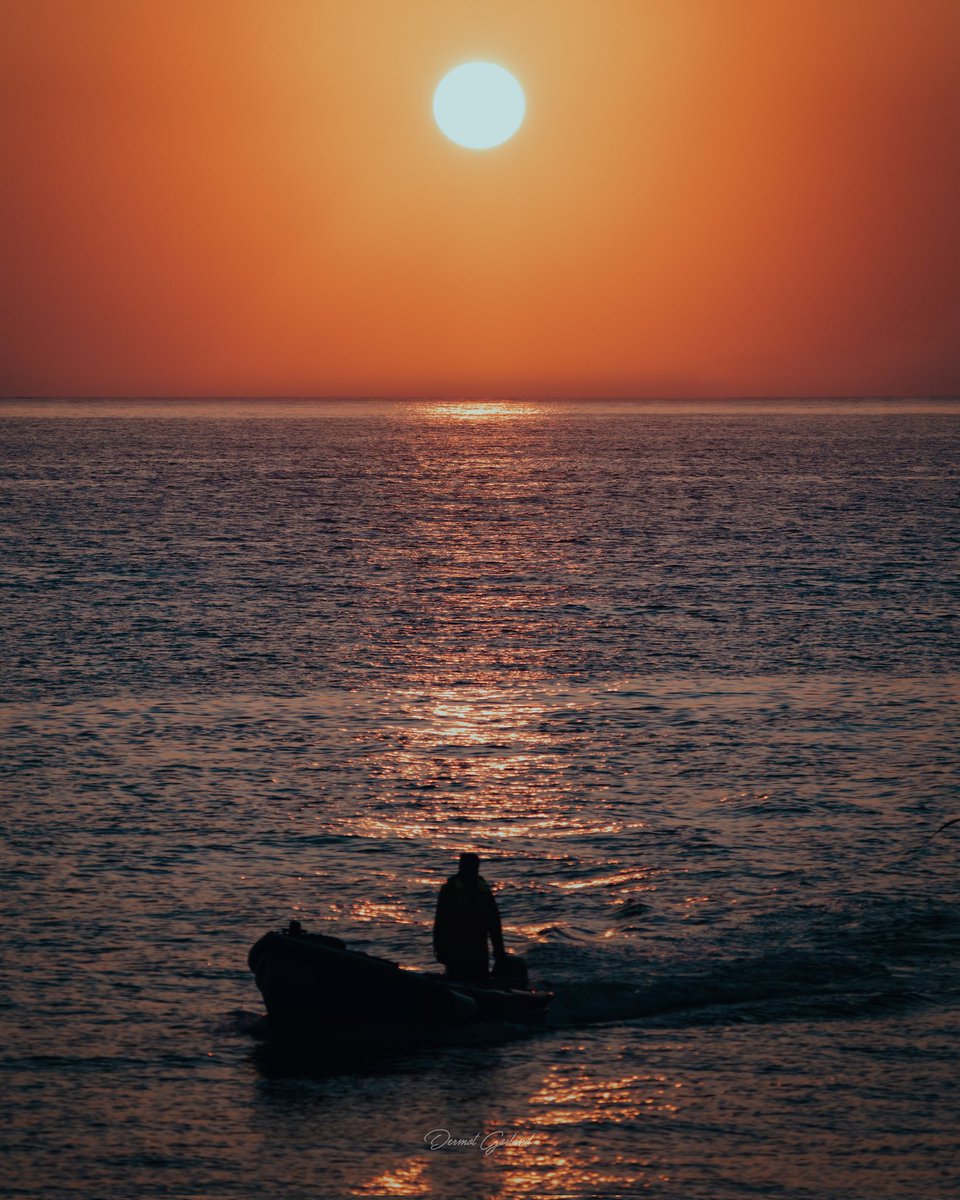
column 479, row 105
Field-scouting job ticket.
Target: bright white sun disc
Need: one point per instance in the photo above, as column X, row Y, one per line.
column 479, row 105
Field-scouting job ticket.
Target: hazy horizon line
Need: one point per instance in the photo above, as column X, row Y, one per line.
column 486, row 398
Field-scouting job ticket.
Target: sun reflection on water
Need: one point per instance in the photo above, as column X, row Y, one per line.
column 471, row 762
column 567, row 1176
column 405, row 1180
column 381, row 910
column 476, row 410
column 620, row 877
column 570, row 1096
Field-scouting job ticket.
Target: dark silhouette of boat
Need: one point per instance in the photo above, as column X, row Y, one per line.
column 315, row 987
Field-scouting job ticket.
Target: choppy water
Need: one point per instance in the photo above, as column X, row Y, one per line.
column 685, row 676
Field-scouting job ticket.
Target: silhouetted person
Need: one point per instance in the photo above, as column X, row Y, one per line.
column 467, row 915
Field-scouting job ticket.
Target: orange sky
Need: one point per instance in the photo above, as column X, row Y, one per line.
column 708, row 197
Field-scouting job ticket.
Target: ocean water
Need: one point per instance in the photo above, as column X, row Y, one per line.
column 685, row 675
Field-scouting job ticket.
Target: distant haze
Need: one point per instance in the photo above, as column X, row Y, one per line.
column 726, row 198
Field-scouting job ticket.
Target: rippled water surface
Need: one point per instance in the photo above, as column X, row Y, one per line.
column 686, row 676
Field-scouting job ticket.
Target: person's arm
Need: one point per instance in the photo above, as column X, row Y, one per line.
column 441, row 927
column 495, row 929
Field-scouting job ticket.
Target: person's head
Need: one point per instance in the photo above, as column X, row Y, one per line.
column 470, row 866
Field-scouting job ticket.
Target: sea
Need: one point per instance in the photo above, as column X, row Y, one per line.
column 684, row 674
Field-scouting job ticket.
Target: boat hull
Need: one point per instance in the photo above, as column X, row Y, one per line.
column 315, row 985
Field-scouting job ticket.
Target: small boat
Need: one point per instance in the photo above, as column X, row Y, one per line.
column 314, row 985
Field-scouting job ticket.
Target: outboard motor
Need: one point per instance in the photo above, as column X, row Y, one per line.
column 511, row 972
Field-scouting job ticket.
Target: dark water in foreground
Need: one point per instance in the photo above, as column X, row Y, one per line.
column 686, row 677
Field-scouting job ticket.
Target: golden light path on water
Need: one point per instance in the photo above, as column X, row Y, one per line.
column 481, row 764
column 472, row 750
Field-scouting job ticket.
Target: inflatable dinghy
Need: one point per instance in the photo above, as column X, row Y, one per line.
column 313, row 984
